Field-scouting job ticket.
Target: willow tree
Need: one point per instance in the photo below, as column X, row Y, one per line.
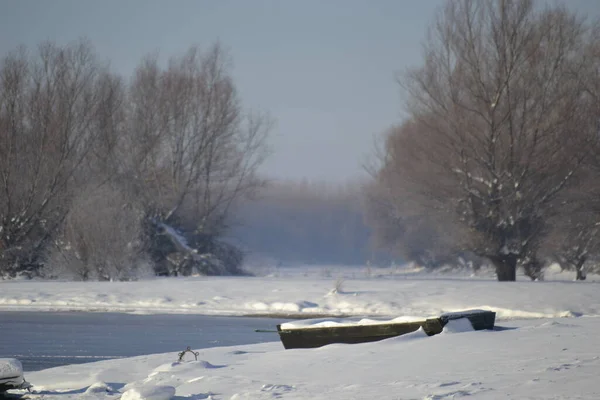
column 192, row 150
column 498, row 124
column 50, row 102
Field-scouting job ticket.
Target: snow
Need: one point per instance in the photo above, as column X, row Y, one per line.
column 344, row 322
column 457, row 326
column 545, row 344
column 99, row 387
column 534, row 359
column 386, row 293
column 149, row 393
column 11, row 374
column 10, row 368
column 178, row 238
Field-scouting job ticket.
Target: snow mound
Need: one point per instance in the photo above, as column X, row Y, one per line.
column 184, row 366
column 282, row 306
column 99, row 387
column 149, row 393
column 418, row 334
column 10, row 368
column 343, row 322
column 457, row 326
column 509, row 313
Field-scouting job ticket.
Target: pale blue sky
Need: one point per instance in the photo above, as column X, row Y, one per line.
column 323, row 69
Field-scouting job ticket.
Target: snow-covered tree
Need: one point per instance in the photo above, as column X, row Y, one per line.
column 173, row 147
column 49, row 103
column 498, row 124
column 192, row 154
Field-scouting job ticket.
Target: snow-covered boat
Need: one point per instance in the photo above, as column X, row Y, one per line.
column 11, row 375
column 317, row 333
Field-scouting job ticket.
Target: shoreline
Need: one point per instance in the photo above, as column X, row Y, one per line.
column 293, row 316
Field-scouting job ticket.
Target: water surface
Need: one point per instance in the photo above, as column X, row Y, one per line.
column 49, row 339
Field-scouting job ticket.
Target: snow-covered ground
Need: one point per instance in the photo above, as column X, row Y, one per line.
column 532, row 359
column 294, row 291
column 547, row 346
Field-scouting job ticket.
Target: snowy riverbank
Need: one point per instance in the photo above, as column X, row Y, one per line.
column 534, row 359
column 545, row 346
column 297, row 292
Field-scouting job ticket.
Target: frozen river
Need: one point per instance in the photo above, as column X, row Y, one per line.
column 48, row 339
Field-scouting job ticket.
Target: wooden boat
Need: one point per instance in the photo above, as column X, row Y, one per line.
column 311, row 337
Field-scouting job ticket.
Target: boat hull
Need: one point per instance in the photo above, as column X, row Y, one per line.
column 303, row 338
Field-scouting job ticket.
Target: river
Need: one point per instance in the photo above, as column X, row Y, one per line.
column 43, row 340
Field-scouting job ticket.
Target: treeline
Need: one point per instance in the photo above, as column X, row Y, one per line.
column 308, row 223
column 103, row 177
column 497, row 161
column 499, row 155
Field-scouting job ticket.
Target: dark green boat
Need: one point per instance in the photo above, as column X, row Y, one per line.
column 309, row 337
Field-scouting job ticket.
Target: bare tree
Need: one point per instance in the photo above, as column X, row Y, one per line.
column 193, row 150
column 574, row 233
column 105, row 160
column 175, row 143
column 48, row 105
column 101, row 237
column 499, row 123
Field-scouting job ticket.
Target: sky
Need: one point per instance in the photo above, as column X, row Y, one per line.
column 324, row 70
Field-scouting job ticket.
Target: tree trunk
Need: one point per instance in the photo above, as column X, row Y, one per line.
column 506, row 268
column 579, row 268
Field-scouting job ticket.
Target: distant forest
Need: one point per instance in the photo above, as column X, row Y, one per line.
column 309, row 223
